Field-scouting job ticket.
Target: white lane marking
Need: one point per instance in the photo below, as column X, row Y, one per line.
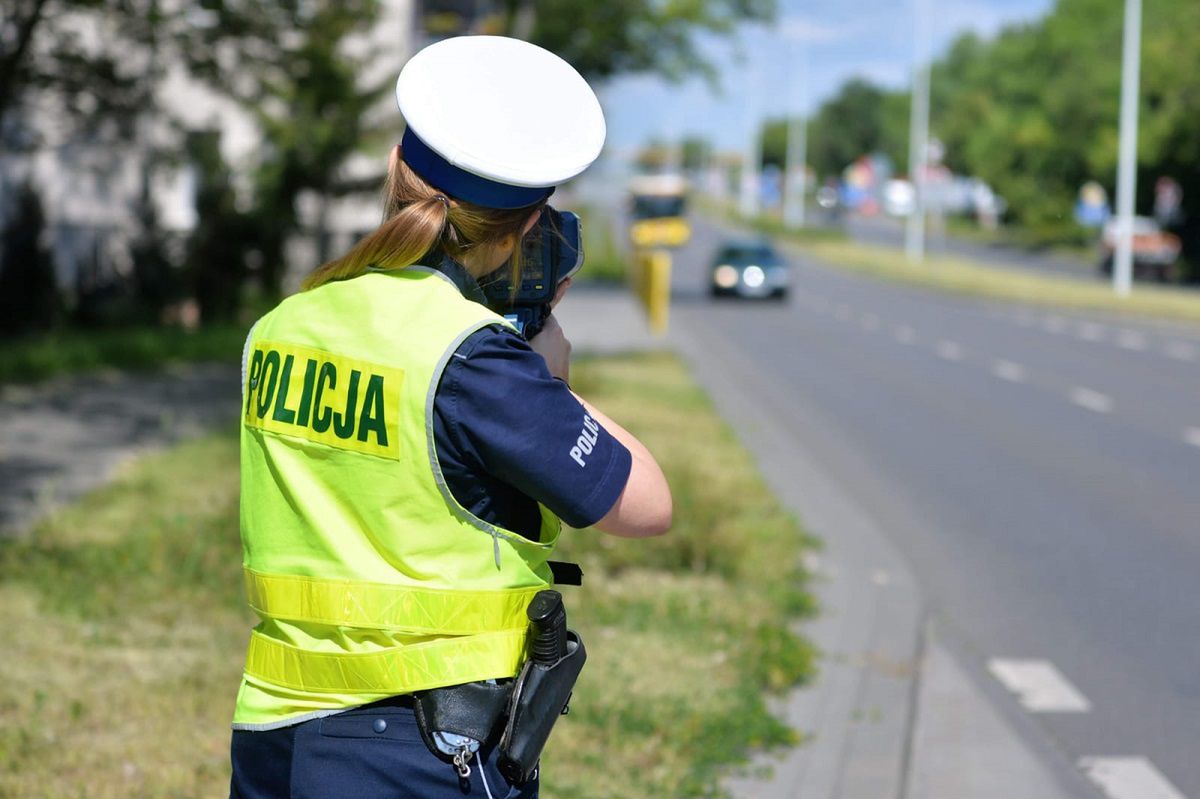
column 1192, row 436
column 869, row 321
column 1181, row 351
column 842, row 313
column 1131, row 340
column 1091, row 400
column 1007, row 370
column 1039, row 686
column 905, row 334
column 1128, row 778
column 1025, row 318
column 1090, row 331
column 949, row 350
column 1054, row 324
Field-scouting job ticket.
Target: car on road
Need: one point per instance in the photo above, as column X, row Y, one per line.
column 750, row 269
column 1155, row 251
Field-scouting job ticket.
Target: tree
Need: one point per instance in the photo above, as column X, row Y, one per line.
column 602, row 39
column 93, row 60
column 28, row 293
column 292, row 66
column 859, row 120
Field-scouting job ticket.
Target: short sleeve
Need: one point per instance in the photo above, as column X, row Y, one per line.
column 504, row 424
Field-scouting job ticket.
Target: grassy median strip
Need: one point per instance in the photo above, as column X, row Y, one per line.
column 961, row 276
column 126, row 625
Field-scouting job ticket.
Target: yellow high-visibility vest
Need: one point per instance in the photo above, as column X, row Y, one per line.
column 369, row 578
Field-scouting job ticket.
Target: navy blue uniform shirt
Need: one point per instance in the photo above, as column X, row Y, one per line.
column 508, row 434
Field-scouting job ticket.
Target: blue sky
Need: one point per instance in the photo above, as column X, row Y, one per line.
column 843, row 38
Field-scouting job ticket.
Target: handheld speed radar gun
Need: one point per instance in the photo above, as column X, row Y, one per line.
column 551, row 252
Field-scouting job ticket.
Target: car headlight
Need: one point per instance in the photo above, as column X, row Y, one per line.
column 725, row 276
column 754, row 276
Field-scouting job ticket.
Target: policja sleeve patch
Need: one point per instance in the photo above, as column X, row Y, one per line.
column 322, row 397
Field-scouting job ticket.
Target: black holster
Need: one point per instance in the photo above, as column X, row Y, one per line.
column 539, row 697
column 473, row 709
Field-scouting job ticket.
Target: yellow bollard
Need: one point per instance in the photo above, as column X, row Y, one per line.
column 652, row 284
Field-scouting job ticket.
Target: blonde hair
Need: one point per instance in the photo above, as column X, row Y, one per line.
column 419, row 220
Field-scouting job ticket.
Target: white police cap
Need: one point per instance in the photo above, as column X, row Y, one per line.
column 495, row 121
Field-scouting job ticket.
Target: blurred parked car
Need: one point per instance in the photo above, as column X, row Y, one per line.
column 749, row 269
column 1154, row 250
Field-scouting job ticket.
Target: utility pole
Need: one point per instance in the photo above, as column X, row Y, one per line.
column 752, row 155
column 1127, row 152
column 797, row 143
column 918, row 135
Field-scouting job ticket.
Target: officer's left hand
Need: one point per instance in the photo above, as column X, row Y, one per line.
column 552, row 345
column 561, row 292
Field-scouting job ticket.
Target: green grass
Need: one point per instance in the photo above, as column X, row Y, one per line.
column 605, row 261
column 960, row 276
column 126, row 629
column 70, row 351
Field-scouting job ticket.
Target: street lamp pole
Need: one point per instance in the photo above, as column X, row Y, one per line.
column 753, row 154
column 918, row 136
column 1127, row 153
column 797, row 144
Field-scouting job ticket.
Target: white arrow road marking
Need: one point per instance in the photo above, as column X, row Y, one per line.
column 1192, row 436
column 1039, row 686
column 949, row 350
column 1007, row 370
column 1128, row 778
column 1091, row 400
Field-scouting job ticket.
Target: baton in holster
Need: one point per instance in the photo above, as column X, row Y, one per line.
column 543, row 688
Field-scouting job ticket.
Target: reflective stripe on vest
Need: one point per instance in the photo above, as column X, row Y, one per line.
column 400, row 670
column 408, row 609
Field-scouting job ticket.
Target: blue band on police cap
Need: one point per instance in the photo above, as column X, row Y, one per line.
column 464, row 185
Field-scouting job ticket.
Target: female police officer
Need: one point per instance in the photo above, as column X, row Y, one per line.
column 406, row 456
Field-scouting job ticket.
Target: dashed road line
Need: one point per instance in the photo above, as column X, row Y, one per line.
column 1054, row 324
column 1091, row 400
column 949, row 350
column 1090, row 331
column 1131, row 340
column 1039, row 686
column 1007, row 370
column 905, row 334
column 1192, row 436
column 1128, row 778
column 1180, row 351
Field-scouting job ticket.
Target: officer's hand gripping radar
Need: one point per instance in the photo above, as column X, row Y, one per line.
column 551, row 252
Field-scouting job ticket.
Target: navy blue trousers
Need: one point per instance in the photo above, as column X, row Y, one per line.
column 352, row 754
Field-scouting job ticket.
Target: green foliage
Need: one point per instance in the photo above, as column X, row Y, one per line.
column 146, row 347
column 604, row 260
column 859, row 120
column 28, row 294
column 604, row 39
column 292, row 66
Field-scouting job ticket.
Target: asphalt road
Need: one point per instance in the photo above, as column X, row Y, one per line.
column 1040, row 471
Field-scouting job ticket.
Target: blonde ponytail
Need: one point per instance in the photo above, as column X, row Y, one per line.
column 419, row 220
